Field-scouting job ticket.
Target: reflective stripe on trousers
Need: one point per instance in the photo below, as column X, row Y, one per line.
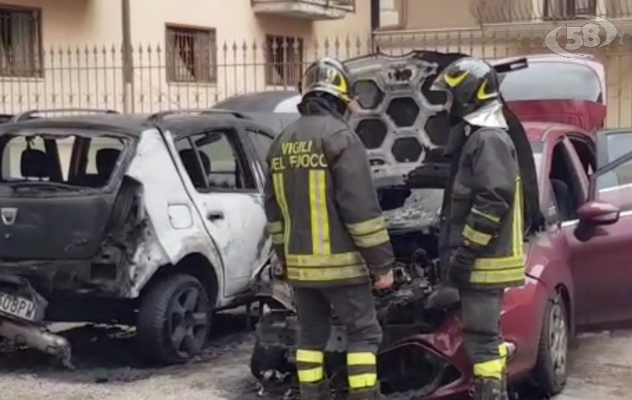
column 362, row 370
column 309, row 365
column 493, row 369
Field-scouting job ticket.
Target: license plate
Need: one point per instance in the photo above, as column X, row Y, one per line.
column 18, row 307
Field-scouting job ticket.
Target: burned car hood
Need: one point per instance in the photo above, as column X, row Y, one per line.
column 404, row 128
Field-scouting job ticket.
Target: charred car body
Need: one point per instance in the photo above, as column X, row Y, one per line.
column 125, row 219
column 403, row 128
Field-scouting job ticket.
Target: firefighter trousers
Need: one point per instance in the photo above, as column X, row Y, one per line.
column 354, row 307
column 481, row 331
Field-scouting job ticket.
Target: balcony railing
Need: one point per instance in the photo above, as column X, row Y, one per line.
column 504, row 11
column 305, row 9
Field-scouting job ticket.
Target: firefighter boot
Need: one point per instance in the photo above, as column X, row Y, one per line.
column 373, row 393
column 488, row 389
column 315, row 391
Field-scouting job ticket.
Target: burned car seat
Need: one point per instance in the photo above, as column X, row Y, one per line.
column 192, row 166
column 34, row 164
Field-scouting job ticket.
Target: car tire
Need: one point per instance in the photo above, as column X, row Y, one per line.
column 550, row 371
column 174, row 320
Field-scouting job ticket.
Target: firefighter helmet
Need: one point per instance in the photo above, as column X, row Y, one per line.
column 470, row 83
column 327, row 75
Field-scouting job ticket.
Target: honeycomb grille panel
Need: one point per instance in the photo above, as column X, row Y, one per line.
column 399, row 119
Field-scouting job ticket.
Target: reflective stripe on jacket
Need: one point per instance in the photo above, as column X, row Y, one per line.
column 486, row 209
column 322, row 207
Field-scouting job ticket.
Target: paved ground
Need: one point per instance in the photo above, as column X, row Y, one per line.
column 108, row 368
column 602, row 368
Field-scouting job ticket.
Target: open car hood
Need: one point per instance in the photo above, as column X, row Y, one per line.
column 404, row 128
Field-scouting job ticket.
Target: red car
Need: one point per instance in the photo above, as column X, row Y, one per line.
column 575, row 248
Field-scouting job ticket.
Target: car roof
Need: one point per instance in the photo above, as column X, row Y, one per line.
column 179, row 124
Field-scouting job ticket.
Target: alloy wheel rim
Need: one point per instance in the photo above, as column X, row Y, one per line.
column 558, row 339
column 188, row 322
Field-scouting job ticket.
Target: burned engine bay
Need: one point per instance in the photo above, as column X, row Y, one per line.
column 405, row 366
column 404, row 128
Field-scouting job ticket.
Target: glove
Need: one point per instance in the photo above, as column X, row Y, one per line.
column 461, row 266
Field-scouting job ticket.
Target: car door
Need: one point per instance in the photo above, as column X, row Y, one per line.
column 228, row 194
column 260, row 139
column 568, row 189
column 606, row 255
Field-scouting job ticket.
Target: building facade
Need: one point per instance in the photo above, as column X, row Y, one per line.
column 71, row 53
column 192, row 53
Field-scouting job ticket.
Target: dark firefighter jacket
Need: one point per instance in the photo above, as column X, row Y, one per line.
column 485, row 208
column 323, row 212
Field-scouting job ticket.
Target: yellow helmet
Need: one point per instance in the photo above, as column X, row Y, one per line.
column 327, row 75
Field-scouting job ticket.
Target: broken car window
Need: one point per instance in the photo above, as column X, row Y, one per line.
column 261, row 141
column 220, row 159
column 50, row 161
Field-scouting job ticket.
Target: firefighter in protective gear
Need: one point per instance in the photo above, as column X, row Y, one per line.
column 328, row 231
column 482, row 234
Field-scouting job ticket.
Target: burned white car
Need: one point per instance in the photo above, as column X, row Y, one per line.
column 153, row 221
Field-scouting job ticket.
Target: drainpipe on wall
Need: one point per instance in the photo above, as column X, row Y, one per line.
column 128, row 58
column 375, row 22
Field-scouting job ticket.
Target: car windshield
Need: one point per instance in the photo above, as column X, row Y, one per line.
column 56, row 161
column 557, row 80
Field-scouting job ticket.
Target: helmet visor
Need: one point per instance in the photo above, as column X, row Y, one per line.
column 439, row 84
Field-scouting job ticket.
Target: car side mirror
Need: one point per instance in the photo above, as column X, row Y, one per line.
column 598, row 213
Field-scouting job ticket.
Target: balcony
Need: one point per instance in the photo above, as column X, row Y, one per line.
column 313, row 10
column 504, row 11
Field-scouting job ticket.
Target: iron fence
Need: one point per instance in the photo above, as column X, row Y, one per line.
column 192, row 70
column 512, row 11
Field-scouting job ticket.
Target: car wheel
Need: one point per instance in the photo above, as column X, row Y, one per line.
column 550, row 372
column 174, row 319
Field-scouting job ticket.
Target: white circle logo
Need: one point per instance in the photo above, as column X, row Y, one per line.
column 581, row 36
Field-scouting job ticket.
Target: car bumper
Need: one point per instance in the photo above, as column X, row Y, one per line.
column 407, row 363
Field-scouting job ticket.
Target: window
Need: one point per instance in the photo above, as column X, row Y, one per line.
column 191, row 55
column 568, row 9
column 586, row 155
column 617, row 145
column 20, row 46
column 60, row 157
column 565, row 183
column 262, row 142
column 217, row 163
column 284, row 60
column 551, row 213
column 552, row 81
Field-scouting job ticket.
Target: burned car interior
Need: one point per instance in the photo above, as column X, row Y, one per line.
column 227, row 171
column 92, row 161
column 411, row 175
